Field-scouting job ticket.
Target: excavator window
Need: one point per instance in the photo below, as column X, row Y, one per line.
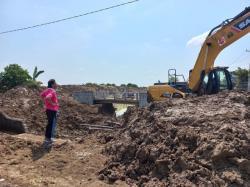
column 206, row 79
column 223, row 84
column 217, row 80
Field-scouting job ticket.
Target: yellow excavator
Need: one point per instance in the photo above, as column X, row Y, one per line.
column 204, row 78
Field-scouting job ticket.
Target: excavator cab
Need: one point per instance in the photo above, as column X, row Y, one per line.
column 218, row 79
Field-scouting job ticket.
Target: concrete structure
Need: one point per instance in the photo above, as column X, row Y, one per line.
column 86, row 97
column 92, row 98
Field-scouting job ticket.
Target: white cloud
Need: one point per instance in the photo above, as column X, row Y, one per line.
column 197, row 40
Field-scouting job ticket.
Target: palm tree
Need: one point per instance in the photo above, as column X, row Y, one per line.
column 36, row 73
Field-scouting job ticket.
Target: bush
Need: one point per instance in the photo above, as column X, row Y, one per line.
column 123, row 85
column 109, row 84
column 13, row 75
column 242, row 74
column 33, row 84
column 131, row 85
column 91, row 84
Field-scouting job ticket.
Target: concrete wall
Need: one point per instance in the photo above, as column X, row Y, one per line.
column 143, row 100
column 86, row 97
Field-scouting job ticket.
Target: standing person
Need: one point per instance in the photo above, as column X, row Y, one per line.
column 51, row 105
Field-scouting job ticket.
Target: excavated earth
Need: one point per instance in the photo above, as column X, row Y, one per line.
column 26, row 104
column 202, row 141
column 26, row 163
column 75, row 157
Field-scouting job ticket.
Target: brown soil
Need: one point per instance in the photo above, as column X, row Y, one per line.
column 72, row 161
column 24, row 162
column 203, row 141
column 26, row 104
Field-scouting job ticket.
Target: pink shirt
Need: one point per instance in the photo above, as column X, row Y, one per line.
column 50, row 93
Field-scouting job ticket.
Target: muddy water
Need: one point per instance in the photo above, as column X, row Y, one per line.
column 121, row 109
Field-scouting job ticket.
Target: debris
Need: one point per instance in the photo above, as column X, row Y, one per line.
column 26, row 104
column 202, row 141
column 97, row 126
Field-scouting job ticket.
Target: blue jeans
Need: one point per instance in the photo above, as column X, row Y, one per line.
column 51, row 126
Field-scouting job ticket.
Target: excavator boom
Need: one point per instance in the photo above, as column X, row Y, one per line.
column 217, row 78
column 218, row 39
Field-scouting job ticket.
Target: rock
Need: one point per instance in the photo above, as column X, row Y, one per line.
column 101, row 177
column 243, row 164
column 180, row 165
column 232, row 177
column 222, row 151
column 161, row 169
column 11, row 124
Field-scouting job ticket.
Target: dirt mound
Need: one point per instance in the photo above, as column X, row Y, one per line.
column 203, row 141
column 26, row 104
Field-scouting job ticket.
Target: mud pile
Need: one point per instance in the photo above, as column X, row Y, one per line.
column 26, row 104
column 203, row 141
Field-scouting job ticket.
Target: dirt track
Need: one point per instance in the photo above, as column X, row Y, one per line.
column 68, row 163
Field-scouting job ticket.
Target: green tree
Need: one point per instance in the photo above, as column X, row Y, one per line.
column 110, row 84
column 131, row 85
column 123, row 85
column 241, row 75
column 36, row 74
column 13, row 75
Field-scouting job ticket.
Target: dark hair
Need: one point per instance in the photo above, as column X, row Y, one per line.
column 51, row 82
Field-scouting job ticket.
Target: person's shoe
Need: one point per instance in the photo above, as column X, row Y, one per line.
column 53, row 140
column 47, row 142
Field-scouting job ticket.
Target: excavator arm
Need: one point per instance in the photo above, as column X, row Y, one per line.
column 218, row 39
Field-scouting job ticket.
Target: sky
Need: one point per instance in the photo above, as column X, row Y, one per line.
column 136, row 43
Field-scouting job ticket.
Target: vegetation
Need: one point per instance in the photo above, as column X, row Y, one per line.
column 36, row 74
column 91, row 84
column 123, row 85
column 240, row 78
column 131, row 85
column 33, row 84
column 95, row 84
column 108, row 84
column 14, row 75
column 242, row 75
